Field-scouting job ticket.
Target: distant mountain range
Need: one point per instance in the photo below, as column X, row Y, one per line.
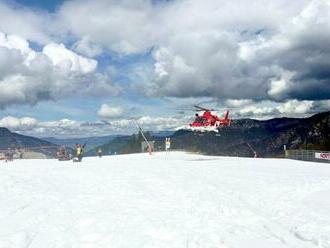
column 91, row 142
column 109, row 144
column 242, row 138
column 114, row 146
column 266, row 138
column 162, row 133
column 50, row 145
column 9, row 139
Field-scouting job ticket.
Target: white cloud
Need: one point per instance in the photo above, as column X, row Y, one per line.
column 18, row 123
column 26, row 23
column 10, row 122
column 277, row 88
column 28, row 121
column 15, row 42
column 257, row 112
column 86, row 47
column 162, row 123
column 238, row 103
column 247, row 51
column 121, row 26
column 63, row 123
column 106, row 111
column 28, row 76
column 296, row 107
column 230, row 50
column 71, row 128
column 291, row 108
column 63, row 57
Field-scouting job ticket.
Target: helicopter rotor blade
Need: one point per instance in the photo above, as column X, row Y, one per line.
column 204, row 109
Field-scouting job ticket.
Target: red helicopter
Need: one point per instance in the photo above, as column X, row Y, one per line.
column 208, row 122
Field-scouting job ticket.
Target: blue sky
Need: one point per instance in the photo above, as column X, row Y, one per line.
column 85, row 108
column 68, row 63
column 41, row 4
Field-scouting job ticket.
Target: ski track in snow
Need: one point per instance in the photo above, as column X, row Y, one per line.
column 165, row 201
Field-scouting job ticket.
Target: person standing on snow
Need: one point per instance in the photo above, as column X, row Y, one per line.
column 61, row 154
column 9, row 155
column 79, row 152
column 99, row 153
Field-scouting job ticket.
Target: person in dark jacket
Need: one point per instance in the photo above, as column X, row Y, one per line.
column 99, row 152
column 9, row 155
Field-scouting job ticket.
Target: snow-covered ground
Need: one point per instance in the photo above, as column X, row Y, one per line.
column 164, row 201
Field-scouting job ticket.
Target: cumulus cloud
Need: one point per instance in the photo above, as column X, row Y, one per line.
column 28, row 76
column 14, row 123
column 106, row 111
column 86, row 47
column 233, row 50
column 296, row 107
column 63, row 57
column 121, row 26
column 282, row 61
column 71, row 128
column 257, row 112
column 238, row 102
column 243, row 53
column 29, row 24
column 290, row 108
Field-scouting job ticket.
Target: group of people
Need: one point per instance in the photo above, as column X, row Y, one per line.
column 10, row 153
column 79, row 152
column 64, row 155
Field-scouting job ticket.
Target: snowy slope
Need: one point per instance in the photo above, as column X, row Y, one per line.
column 164, row 201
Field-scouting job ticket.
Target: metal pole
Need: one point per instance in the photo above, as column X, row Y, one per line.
column 144, row 137
column 254, row 152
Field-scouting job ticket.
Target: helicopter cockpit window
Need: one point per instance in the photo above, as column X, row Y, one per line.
column 199, row 119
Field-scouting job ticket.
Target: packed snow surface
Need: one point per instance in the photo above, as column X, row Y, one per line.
column 164, row 201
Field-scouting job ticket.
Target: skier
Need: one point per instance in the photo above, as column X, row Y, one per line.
column 20, row 153
column 79, row 152
column 255, row 154
column 61, row 154
column 9, row 155
column 99, row 153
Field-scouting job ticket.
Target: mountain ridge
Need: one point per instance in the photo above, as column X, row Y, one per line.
column 243, row 138
column 14, row 140
column 266, row 137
